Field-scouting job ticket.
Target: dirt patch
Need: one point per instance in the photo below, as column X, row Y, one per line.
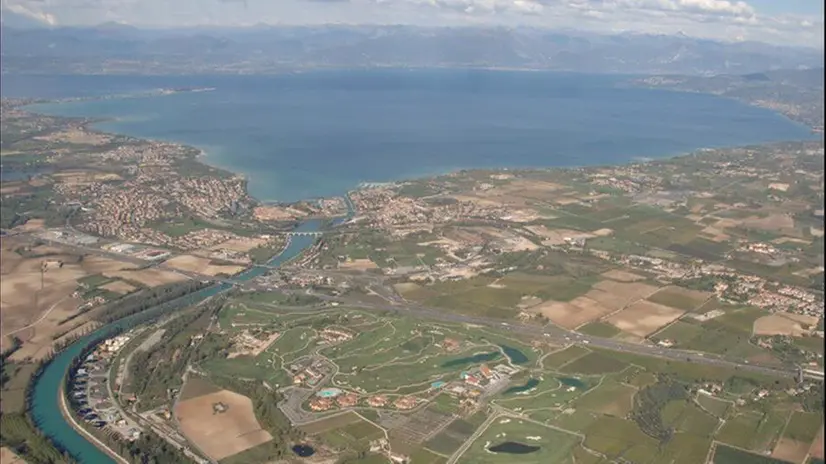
column 556, row 236
column 149, row 277
column 201, row 265
column 30, row 296
column 277, row 213
column 784, row 324
column 84, row 177
column 816, row 451
column 572, row 314
column 31, row 225
column 622, row 276
column 119, row 286
column 241, row 245
column 358, row 265
column 643, row 318
column 617, row 295
column 99, row 265
column 790, row 450
column 8, row 456
column 221, row 434
column 76, row 137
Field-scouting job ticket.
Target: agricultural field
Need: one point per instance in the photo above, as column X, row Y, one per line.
column 221, row 424
column 45, row 289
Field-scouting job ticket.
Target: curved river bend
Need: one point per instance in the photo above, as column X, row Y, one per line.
column 47, row 387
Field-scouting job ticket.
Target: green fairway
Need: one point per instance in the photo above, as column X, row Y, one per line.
column 551, row 446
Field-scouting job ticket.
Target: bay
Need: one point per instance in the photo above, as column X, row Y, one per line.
column 299, row 136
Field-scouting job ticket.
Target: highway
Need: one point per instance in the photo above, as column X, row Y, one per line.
column 550, row 332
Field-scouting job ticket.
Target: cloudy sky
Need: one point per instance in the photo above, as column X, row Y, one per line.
column 796, row 22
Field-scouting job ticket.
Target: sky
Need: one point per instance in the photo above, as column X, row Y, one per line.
column 789, row 22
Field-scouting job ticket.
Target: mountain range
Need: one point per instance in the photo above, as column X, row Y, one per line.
column 115, row 48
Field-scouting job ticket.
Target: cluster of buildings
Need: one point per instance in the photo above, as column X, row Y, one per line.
column 309, row 371
column 154, row 191
column 383, row 208
column 329, row 398
column 137, row 251
column 90, row 391
column 252, row 341
column 732, row 286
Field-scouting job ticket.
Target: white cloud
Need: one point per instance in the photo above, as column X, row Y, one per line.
column 716, row 19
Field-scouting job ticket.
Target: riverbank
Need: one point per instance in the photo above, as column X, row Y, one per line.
column 67, row 414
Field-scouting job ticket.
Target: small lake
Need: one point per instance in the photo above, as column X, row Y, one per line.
column 303, row 451
column 512, row 447
column 531, row 383
column 516, row 356
column 477, row 358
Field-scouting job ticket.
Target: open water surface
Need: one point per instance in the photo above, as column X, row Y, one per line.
column 322, row 133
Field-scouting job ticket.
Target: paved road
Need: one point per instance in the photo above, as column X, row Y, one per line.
column 397, row 305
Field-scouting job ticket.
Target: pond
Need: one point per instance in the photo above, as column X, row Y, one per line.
column 522, row 388
column 477, row 358
column 303, row 451
column 512, row 447
column 516, row 356
column 573, row 382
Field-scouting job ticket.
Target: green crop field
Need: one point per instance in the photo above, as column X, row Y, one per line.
column 677, row 298
column 684, row 448
column 552, row 446
column 803, row 426
column 727, row 455
column 688, row 418
column 715, row 406
column 594, row 363
column 609, row 398
column 423, row 456
column 562, row 357
column 617, row 438
column 680, row 332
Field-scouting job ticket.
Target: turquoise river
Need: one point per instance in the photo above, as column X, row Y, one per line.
column 47, row 388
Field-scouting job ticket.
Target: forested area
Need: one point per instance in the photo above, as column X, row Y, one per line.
column 155, row 371
column 149, row 298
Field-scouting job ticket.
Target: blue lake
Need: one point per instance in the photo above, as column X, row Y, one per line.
column 321, row 133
